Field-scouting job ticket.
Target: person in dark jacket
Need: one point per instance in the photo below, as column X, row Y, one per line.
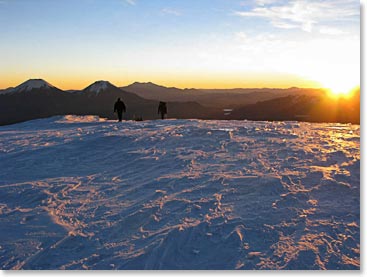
column 119, row 108
column 162, row 109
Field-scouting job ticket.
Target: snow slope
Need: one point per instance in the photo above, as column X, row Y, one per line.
column 86, row 193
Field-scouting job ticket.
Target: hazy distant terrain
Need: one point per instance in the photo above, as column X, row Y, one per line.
column 80, row 192
column 304, row 108
column 220, row 98
column 38, row 99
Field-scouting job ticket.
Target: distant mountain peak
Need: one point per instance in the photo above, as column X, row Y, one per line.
column 145, row 84
column 33, row 84
column 99, row 86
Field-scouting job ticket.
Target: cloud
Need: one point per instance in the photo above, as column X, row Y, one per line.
column 301, row 13
column 171, row 11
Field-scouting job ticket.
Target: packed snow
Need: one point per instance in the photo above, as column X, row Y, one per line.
column 87, row 193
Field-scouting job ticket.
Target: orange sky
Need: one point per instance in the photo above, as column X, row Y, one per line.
column 215, row 80
column 200, row 44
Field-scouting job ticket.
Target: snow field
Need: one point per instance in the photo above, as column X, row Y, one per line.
column 86, row 193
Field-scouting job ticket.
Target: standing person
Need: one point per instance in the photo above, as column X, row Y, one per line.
column 119, row 108
column 162, row 109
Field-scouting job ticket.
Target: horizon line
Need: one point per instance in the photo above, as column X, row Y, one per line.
column 174, row 87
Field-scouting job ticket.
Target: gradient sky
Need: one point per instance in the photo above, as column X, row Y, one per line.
column 183, row 43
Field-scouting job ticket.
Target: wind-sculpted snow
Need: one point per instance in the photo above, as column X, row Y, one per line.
column 84, row 193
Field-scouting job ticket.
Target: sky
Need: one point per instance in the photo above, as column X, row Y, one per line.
column 182, row 43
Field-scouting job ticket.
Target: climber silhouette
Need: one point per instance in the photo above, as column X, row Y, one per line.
column 162, row 109
column 119, row 108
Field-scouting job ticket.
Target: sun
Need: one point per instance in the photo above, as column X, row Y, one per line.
column 341, row 86
column 340, row 93
column 344, row 91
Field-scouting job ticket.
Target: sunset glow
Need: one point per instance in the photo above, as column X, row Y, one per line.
column 340, row 84
column 202, row 44
column 337, row 93
column 181, row 135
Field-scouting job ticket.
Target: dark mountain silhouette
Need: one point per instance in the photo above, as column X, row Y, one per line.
column 99, row 98
column 215, row 98
column 38, row 99
column 32, row 99
column 315, row 108
column 101, row 95
column 156, row 92
column 7, row 90
column 31, row 85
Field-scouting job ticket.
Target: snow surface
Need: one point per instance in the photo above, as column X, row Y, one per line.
column 86, row 193
column 29, row 85
column 99, row 86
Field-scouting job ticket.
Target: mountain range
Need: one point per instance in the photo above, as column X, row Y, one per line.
column 217, row 98
column 37, row 98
